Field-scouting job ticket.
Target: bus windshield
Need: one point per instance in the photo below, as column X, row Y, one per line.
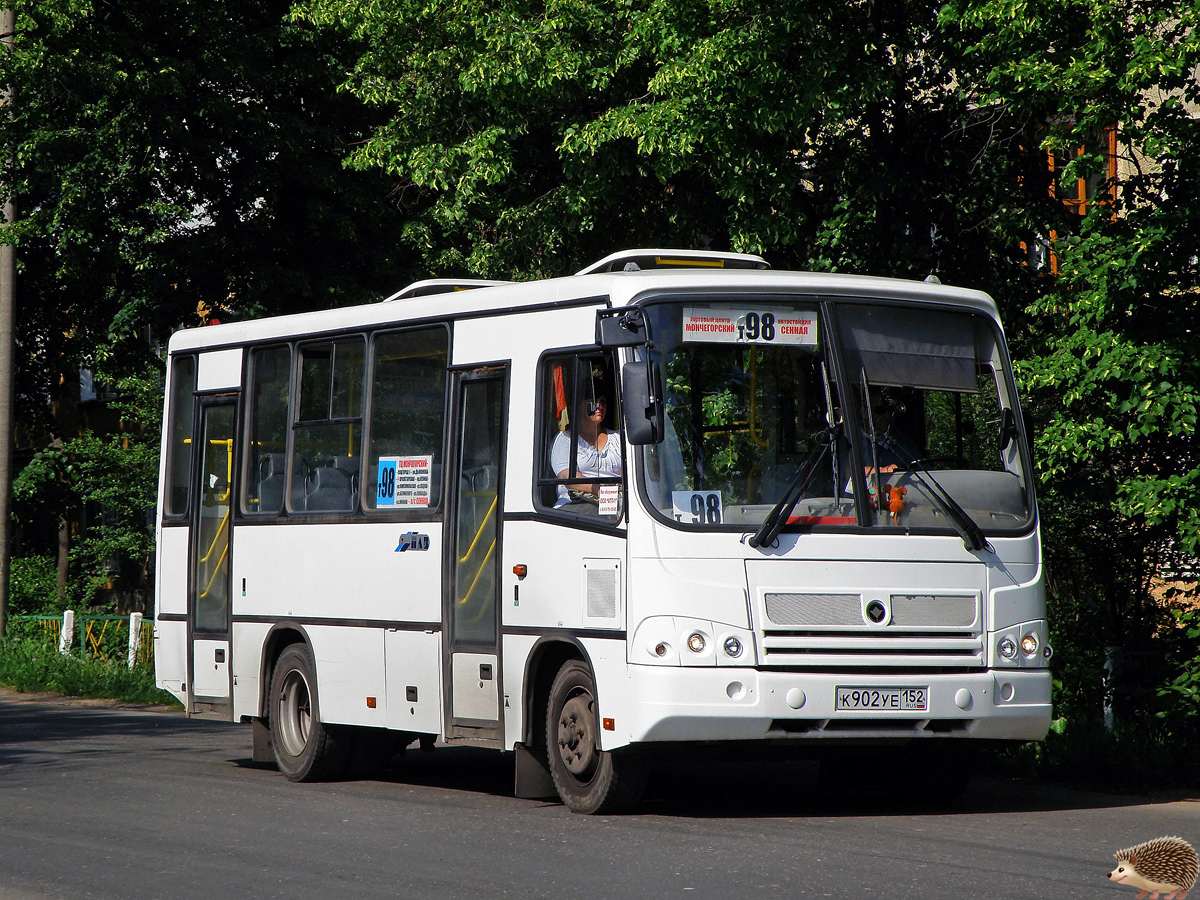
column 908, row 424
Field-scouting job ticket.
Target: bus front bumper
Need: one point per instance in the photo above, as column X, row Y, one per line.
column 717, row 704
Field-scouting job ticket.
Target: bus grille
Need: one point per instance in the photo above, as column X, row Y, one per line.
column 823, row 630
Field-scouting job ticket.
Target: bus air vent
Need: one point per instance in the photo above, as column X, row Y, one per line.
column 601, row 587
column 814, row 609
column 636, row 260
column 442, row 286
column 917, row 610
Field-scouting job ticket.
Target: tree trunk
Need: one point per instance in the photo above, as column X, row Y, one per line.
column 7, row 317
column 64, row 561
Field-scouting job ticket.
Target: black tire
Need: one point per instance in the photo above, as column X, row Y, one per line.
column 588, row 780
column 305, row 748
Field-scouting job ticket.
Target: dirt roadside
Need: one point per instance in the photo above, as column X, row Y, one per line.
column 9, row 695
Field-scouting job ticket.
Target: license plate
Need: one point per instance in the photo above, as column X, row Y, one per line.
column 882, row 698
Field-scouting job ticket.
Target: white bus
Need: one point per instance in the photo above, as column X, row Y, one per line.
column 799, row 516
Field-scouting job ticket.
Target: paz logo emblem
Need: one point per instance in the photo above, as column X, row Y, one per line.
column 412, row 540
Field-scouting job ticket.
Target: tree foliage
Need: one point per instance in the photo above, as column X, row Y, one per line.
column 111, row 479
column 526, row 139
column 167, row 158
column 1111, row 367
column 167, row 155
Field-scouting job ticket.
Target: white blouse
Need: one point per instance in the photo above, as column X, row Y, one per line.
column 589, row 462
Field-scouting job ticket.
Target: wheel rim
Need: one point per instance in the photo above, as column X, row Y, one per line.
column 577, row 735
column 295, row 713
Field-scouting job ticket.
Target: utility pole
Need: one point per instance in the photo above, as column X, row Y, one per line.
column 8, row 21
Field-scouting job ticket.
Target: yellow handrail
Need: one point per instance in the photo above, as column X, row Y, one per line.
column 479, row 534
column 482, row 525
column 475, row 580
column 216, row 537
column 215, row 571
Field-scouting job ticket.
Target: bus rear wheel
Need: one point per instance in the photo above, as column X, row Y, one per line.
column 305, row 748
column 588, row 779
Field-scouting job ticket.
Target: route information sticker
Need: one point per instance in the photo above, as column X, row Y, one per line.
column 610, row 500
column 750, row 325
column 404, row 481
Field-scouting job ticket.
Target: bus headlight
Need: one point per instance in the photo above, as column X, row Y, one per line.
column 684, row 641
column 1025, row 645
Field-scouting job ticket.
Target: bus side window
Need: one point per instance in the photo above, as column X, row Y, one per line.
column 179, row 435
column 580, row 405
column 326, row 462
column 266, row 431
column 408, row 412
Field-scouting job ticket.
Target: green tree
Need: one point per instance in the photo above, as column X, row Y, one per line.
column 169, row 157
column 1112, row 369
column 112, row 478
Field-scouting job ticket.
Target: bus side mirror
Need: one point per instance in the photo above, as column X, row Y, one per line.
column 641, row 406
column 621, row 328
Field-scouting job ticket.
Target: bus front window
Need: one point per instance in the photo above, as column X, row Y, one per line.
column 935, row 419
column 750, row 405
column 759, row 425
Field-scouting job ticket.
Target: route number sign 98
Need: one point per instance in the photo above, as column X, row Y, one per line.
column 697, row 507
column 745, row 325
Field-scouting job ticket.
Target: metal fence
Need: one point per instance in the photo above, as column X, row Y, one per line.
column 128, row 638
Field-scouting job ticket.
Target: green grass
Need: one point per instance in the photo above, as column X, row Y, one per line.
column 29, row 666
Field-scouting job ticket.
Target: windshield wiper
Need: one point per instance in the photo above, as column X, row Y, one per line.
column 801, row 478
column 970, row 532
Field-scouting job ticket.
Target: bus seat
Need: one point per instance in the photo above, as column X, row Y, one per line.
column 347, row 464
column 269, row 487
column 328, row 488
column 350, row 465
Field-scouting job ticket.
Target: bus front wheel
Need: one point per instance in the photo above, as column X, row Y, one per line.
column 588, row 779
column 305, row 748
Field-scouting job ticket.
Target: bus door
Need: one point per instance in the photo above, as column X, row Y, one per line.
column 474, row 511
column 209, row 588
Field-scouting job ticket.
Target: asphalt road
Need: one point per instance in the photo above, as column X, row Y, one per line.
column 112, row 803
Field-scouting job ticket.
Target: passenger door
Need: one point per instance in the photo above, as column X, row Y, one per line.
column 209, row 587
column 473, row 530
